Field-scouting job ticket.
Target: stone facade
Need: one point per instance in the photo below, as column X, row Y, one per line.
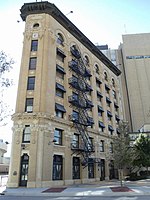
column 42, row 153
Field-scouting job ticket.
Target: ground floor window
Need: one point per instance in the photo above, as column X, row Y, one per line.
column 76, row 168
column 91, row 168
column 57, row 167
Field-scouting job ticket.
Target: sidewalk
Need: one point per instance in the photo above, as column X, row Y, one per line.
column 102, row 188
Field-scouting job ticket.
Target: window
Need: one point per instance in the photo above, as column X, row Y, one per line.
column 59, row 93
column 60, row 39
column 101, row 146
column 58, row 136
column 107, row 89
column 99, row 96
column 91, row 168
column 26, row 134
column 59, row 110
column 111, row 147
column 86, row 60
column 97, row 69
column 31, row 83
column 76, row 168
column 117, row 119
column 75, row 52
column 34, row 45
column 75, row 141
column 60, row 90
column 113, row 82
column 98, row 83
column 105, row 76
column 101, row 126
column 109, row 115
column 114, row 94
column 32, row 63
column 108, row 101
column 36, row 25
column 57, row 167
column 29, row 105
column 100, row 111
column 90, row 144
column 75, row 116
column 110, row 130
column 116, row 107
column 60, row 72
column 60, row 55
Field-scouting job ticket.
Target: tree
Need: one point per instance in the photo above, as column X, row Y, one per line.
column 5, row 82
column 122, row 152
column 142, row 152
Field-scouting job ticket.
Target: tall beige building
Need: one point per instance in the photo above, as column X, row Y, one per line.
column 68, row 105
column 134, row 57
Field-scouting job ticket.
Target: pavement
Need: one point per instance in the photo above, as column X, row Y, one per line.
column 101, row 188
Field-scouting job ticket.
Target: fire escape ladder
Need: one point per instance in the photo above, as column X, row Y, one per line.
column 80, row 103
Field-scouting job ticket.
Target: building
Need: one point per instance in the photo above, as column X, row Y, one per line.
column 112, row 54
column 134, row 57
column 68, row 104
column 4, row 161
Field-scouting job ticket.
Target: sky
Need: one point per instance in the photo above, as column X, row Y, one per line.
column 102, row 21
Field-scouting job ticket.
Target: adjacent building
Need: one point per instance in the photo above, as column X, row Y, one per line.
column 4, row 161
column 134, row 60
column 68, row 104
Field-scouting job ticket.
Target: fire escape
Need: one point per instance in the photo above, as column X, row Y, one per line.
column 81, row 104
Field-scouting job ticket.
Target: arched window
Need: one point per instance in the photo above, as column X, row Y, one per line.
column 60, row 39
column 36, row 25
column 86, row 59
column 105, row 76
column 97, row 69
column 113, row 82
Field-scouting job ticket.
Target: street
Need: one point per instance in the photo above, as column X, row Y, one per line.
column 75, row 198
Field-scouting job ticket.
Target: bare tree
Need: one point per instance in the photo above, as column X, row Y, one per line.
column 5, row 82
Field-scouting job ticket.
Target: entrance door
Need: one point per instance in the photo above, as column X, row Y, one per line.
column 24, row 170
column 102, row 170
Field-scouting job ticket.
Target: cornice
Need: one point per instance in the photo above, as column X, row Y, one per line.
column 51, row 9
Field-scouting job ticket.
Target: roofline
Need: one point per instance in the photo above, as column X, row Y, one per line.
column 51, row 9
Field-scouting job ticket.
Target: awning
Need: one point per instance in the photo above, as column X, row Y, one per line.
column 59, row 68
column 101, row 124
column 60, row 87
column 110, row 128
column 98, row 80
column 59, row 51
column 116, row 105
column 100, row 108
column 60, row 107
column 109, row 113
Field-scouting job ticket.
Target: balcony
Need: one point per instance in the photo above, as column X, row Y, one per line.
column 83, row 120
column 74, row 66
column 79, row 84
column 75, row 52
column 87, row 73
column 80, row 102
column 87, row 147
column 79, row 69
